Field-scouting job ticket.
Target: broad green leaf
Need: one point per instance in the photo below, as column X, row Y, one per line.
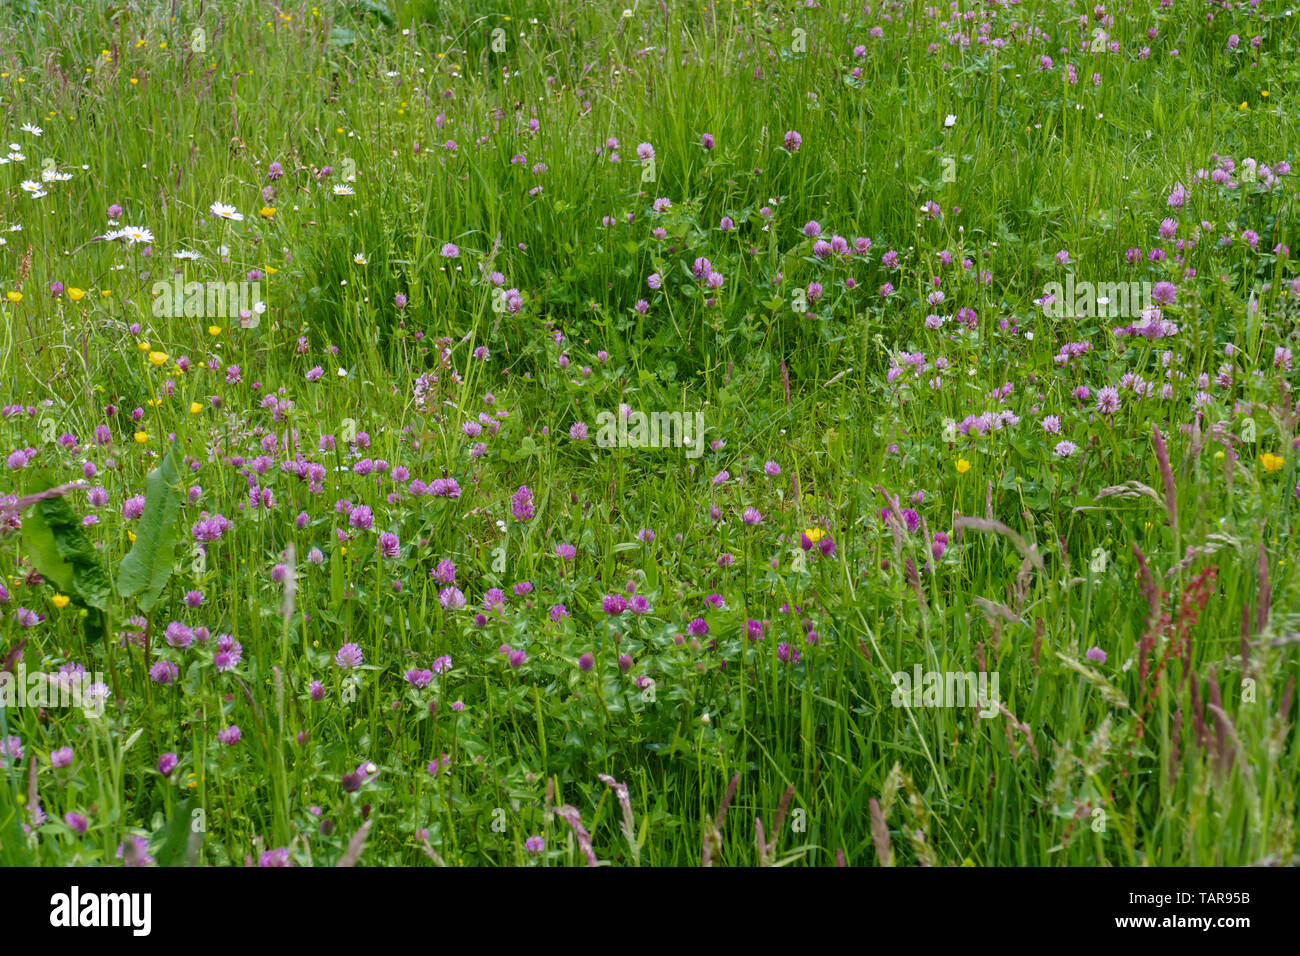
column 43, row 552
column 58, row 548
column 175, row 835
column 148, row 566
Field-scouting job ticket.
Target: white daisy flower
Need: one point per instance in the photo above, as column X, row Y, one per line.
column 359, row 258
column 29, row 186
column 223, row 211
column 949, row 120
column 17, row 157
column 137, row 234
column 342, row 190
column 185, row 254
column 34, row 130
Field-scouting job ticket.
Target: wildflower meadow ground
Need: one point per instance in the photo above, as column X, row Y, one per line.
column 553, row 434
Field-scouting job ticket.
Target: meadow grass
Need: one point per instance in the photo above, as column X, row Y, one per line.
column 316, row 548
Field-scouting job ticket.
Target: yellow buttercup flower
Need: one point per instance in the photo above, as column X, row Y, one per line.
column 76, row 295
column 143, row 346
column 814, row 534
column 266, row 212
column 141, row 437
column 61, row 600
column 1271, row 462
column 14, row 296
column 158, row 358
column 963, row 466
column 131, row 535
column 214, row 330
column 195, row 408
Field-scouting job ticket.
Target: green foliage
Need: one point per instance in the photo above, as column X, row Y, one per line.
column 145, row 570
column 59, row 549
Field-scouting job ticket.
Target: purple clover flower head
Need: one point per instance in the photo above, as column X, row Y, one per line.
column 164, row 672
column 134, row 851
column 419, row 679
column 521, row 504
